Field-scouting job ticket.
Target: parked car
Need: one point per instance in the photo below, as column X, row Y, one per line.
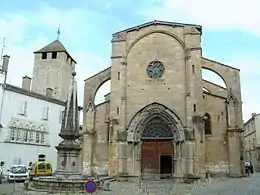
column 17, row 173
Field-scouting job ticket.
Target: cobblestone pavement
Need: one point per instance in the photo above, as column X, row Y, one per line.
column 242, row 186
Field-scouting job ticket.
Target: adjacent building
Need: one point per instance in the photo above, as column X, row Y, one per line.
column 31, row 115
column 252, row 140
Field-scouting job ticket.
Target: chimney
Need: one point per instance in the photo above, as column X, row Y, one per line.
column 5, row 62
column 26, row 84
column 49, row 92
column 253, row 114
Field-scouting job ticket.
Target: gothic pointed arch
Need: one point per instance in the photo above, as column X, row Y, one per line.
column 155, row 121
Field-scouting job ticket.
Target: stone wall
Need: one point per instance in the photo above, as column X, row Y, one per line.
column 96, row 145
column 216, row 144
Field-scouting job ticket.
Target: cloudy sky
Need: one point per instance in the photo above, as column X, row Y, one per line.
column 231, row 34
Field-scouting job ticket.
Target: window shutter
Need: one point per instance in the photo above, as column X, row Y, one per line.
column 8, row 135
column 43, row 112
column 21, row 109
column 61, row 116
column 25, row 107
column 47, row 112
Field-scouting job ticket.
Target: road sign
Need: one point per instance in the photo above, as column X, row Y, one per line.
column 90, row 186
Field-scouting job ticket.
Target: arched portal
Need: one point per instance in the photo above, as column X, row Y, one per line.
column 156, row 129
column 157, row 152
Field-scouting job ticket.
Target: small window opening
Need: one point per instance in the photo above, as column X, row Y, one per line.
column 118, row 76
column 207, row 124
column 44, row 55
column 53, row 55
column 193, row 69
column 194, row 108
column 117, row 110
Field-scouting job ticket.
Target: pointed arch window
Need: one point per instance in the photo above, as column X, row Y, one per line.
column 207, row 124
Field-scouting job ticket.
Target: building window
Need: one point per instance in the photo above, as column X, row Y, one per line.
column 37, row 140
column 53, row 55
column 42, row 138
column 207, row 124
column 26, row 136
column 61, row 116
column 193, row 69
column 31, row 138
column 194, row 108
column 117, row 110
column 45, row 114
column 44, row 55
column 12, row 134
column 118, row 76
column 18, row 134
column 23, row 108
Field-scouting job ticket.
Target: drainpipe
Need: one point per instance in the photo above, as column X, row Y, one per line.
column 4, row 71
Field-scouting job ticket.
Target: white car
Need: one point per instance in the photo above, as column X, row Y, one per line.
column 17, row 173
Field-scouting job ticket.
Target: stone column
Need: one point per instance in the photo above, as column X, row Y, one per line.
column 87, row 159
column 235, row 137
column 122, row 144
column 122, row 159
column 178, row 159
column 189, row 156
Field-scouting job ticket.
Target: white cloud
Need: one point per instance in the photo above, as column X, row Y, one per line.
column 214, row 14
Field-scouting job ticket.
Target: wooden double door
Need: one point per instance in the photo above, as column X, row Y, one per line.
column 157, row 157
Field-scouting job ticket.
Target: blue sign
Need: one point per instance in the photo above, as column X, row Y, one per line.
column 90, row 186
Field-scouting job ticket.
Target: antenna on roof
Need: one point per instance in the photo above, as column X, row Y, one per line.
column 58, row 33
column 3, row 46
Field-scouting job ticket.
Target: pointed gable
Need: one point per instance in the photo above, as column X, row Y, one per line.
column 231, row 97
column 55, row 46
column 197, row 28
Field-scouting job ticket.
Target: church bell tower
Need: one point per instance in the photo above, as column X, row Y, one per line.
column 53, row 66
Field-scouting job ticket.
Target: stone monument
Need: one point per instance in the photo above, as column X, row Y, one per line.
column 68, row 162
column 67, row 177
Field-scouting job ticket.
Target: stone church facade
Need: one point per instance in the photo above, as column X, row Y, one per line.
column 161, row 117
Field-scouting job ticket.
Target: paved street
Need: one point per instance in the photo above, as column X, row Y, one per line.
column 242, row 186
